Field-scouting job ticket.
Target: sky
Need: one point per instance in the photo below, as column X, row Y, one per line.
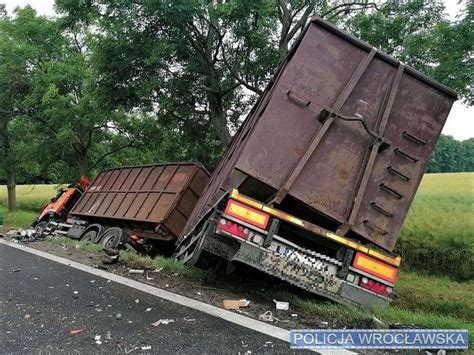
column 460, row 123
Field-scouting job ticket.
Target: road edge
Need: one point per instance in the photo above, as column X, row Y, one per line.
column 247, row 322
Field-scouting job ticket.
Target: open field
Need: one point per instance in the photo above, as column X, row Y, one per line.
column 30, row 199
column 438, row 235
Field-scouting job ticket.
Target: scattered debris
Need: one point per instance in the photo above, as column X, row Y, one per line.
column 101, row 267
column 284, row 306
column 162, row 321
column 148, row 309
column 136, row 271
column 146, row 347
column 27, row 316
column 137, row 301
column 97, row 339
column 118, row 316
column 376, row 320
column 244, row 345
column 110, row 259
column 199, row 293
column 268, row 343
column 75, row 331
column 187, row 319
column 76, row 292
column 244, row 303
column 109, row 335
column 235, row 304
column 242, row 312
column 16, row 270
column 294, row 315
column 158, row 270
column 268, row 317
column 148, row 278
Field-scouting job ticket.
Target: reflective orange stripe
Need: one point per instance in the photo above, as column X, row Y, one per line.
column 247, row 214
column 375, row 267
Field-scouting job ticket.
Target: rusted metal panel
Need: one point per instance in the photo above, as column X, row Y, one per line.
column 145, row 197
column 343, row 129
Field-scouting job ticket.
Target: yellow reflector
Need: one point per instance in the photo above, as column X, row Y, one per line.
column 375, row 267
column 247, row 214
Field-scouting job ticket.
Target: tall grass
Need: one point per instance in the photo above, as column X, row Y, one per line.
column 438, row 235
column 30, row 197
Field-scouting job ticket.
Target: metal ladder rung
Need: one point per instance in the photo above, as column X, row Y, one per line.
column 381, row 210
column 390, row 191
column 405, row 155
column 374, row 227
column 395, row 172
column 413, row 138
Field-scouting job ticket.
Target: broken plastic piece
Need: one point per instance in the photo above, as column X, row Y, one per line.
column 135, row 271
column 282, row 305
column 75, row 331
column 162, row 321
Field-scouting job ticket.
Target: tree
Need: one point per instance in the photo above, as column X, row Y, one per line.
column 452, row 155
column 59, row 93
column 193, row 60
column 418, row 33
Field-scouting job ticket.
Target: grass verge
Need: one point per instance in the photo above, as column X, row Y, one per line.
column 430, row 302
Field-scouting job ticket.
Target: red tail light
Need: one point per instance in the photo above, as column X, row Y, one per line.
column 233, row 228
column 376, row 287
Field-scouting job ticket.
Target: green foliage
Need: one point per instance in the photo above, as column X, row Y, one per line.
column 452, row 155
column 417, row 33
column 118, row 83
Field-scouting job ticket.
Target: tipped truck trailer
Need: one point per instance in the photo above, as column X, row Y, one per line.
column 138, row 206
column 316, row 184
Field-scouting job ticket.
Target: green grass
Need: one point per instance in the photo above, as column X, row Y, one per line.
column 438, row 235
column 30, row 199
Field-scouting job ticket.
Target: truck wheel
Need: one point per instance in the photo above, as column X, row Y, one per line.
column 89, row 236
column 113, row 237
column 91, row 233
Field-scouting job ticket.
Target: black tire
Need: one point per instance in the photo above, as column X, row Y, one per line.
column 93, row 237
column 89, row 235
column 113, row 237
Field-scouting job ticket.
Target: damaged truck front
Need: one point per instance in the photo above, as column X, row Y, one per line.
column 316, row 184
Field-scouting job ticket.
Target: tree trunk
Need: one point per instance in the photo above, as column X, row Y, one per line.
column 83, row 165
column 218, row 117
column 11, row 188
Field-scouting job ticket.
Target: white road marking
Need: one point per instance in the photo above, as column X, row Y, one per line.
column 243, row 321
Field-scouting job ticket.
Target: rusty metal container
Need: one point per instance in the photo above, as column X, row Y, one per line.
column 155, row 201
column 341, row 136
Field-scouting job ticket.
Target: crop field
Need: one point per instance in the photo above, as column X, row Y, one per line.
column 438, row 235
column 30, row 199
column 436, row 285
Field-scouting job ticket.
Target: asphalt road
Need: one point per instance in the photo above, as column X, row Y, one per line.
column 41, row 302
